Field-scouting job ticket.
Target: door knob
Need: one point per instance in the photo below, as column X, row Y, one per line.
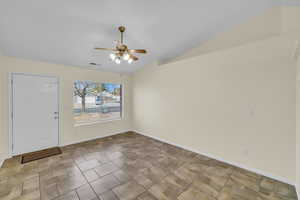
column 56, row 113
column 55, row 117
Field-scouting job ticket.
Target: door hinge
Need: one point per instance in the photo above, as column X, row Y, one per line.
column 12, row 115
column 11, row 81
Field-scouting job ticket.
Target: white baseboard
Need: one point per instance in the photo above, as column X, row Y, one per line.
column 3, row 158
column 93, row 138
column 1, row 162
column 258, row 171
column 298, row 193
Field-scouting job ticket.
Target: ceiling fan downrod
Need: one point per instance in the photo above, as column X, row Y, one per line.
column 122, row 30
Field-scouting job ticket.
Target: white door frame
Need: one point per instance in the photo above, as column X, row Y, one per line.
column 10, row 107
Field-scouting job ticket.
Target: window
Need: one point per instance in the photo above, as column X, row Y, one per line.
column 94, row 102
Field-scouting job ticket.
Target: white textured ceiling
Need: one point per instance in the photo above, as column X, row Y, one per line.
column 66, row 31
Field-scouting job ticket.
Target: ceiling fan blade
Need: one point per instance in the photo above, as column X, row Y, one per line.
column 137, row 50
column 106, row 49
column 134, row 57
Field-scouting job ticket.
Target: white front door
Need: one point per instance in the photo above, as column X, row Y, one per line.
column 34, row 113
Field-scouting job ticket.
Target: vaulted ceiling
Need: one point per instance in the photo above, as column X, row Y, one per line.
column 66, row 31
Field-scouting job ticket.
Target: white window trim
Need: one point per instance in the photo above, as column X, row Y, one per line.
column 98, row 122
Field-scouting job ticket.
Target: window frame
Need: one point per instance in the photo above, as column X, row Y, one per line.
column 102, row 121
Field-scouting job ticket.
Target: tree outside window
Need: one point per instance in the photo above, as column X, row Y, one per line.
column 94, row 102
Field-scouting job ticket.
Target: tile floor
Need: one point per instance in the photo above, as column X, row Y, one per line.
column 130, row 166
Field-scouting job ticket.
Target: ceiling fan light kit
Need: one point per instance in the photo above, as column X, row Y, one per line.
column 126, row 56
column 117, row 57
column 121, row 52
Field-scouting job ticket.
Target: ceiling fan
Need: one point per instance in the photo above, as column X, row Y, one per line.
column 121, row 52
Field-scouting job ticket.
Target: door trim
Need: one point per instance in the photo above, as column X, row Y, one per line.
column 10, row 108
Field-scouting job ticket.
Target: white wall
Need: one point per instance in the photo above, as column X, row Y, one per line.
column 236, row 104
column 67, row 75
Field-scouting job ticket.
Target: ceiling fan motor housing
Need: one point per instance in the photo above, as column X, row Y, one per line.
column 122, row 47
column 121, row 29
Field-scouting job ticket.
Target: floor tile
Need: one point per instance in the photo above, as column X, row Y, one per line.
column 108, row 195
column 163, row 191
column 85, row 192
column 128, row 191
column 146, row 196
column 104, row 184
column 122, row 176
column 131, row 166
column 105, row 169
column 49, row 191
column 68, row 196
column 91, row 175
column 246, row 178
column 143, row 180
column 89, row 164
column 235, row 190
column 192, row 193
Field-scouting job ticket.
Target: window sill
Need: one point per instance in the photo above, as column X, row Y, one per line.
column 97, row 122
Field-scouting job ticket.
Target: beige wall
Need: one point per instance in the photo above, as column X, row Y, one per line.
column 236, row 104
column 277, row 22
column 68, row 132
column 298, row 126
column 260, row 27
column 273, row 22
column 291, row 27
column 290, row 19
